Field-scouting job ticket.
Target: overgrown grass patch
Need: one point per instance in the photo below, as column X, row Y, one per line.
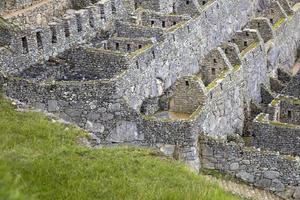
column 42, row 160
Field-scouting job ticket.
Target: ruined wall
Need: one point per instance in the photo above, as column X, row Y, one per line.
column 163, row 6
column 17, row 4
column 187, row 6
column 264, row 27
column 30, row 46
column 125, row 29
column 254, row 66
column 187, row 97
column 127, row 44
column 289, row 112
column 92, row 105
column 223, row 113
column 268, row 170
column 191, row 41
column 282, row 51
column 37, row 14
column 162, row 21
column 212, row 66
column 292, row 88
column 95, row 64
column 276, row 136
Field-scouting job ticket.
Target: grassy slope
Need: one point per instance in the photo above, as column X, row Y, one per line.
column 41, row 160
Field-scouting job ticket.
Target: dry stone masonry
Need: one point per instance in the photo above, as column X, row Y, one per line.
column 190, row 77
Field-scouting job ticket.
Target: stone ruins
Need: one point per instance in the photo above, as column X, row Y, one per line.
column 214, row 83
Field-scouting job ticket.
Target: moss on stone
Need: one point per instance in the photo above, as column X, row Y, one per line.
column 177, row 26
column 275, row 102
column 249, row 48
column 214, row 83
column 261, row 117
column 236, row 67
column 292, row 100
column 247, row 140
column 278, row 23
column 289, row 157
column 285, row 125
column 140, row 51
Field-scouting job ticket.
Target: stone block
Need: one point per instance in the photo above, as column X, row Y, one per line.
column 94, row 127
column 52, row 106
column 245, row 176
column 277, row 186
column 234, row 166
column 297, row 193
column 271, row 174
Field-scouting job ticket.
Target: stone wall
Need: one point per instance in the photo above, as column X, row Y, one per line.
column 274, row 13
column 276, row 136
column 278, row 128
column 282, row 50
column 36, row 14
column 189, row 6
column 95, row 64
column 254, row 66
column 128, row 44
column 188, row 95
column 191, row 41
column 17, row 4
column 290, row 112
column 163, row 61
column 213, row 65
column 224, row 111
column 264, row 27
column 267, row 170
column 125, row 29
column 163, row 6
column 162, row 21
column 292, row 89
column 92, row 105
column 32, row 45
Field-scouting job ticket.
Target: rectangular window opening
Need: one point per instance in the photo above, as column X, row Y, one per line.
column 102, row 13
column 289, row 114
column 152, row 23
column 91, row 20
column 67, row 29
column 79, row 24
column 213, row 71
column 39, row 40
column 25, row 45
column 128, row 47
column 53, row 35
column 113, row 7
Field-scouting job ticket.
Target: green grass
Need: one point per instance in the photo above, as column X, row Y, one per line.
column 42, row 160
